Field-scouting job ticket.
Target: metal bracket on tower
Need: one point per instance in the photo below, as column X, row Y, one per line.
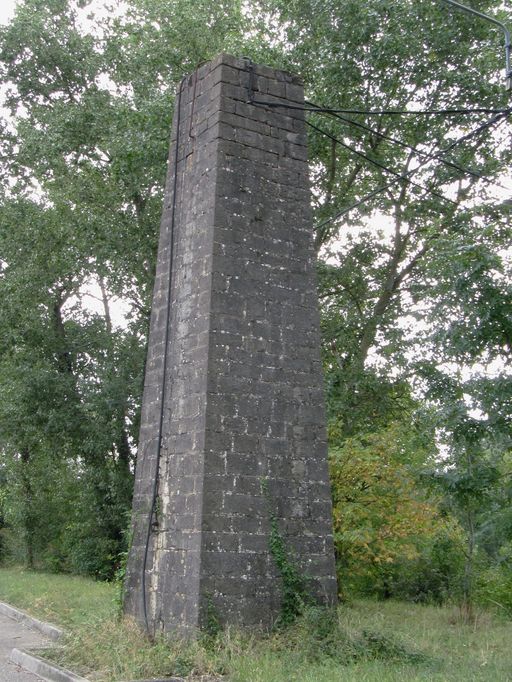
column 508, row 41
column 251, row 85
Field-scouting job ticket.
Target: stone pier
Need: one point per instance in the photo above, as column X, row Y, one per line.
column 232, row 439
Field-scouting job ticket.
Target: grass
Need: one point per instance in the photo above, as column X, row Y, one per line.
column 64, row 600
column 365, row 642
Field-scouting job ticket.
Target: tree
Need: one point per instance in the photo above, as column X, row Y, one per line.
column 85, row 160
column 84, row 156
column 376, row 56
column 435, row 261
column 382, row 516
column 470, row 332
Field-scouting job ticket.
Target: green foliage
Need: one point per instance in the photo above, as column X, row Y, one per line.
column 74, row 521
column 380, row 516
column 494, row 587
column 212, row 627
column 415, row 302
column 120, row 572
column 322, row 633
column 86, row 155
column 473, row 476
column 367, row 640
column 294, row 585
column 295, row 593
column 434, row 576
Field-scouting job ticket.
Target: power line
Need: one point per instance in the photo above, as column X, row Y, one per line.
column 498, row 115
column 502, row 115
column 311, row 106
column 163, row 391
column 483, row 126
column 419, row 152
column 398, row 175
column 404, row 145
column 381, row 112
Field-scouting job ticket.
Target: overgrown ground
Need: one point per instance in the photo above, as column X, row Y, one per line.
column 366, row 641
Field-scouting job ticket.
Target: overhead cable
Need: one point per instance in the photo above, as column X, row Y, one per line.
column 437, row 156
column 380, row 112
column 378, row 164
column 420, row 152
column 399, row 143
column 163, row 387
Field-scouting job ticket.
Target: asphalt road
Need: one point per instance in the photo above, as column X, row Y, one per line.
column 15, row 635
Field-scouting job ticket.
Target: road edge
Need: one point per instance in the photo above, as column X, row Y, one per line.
column 39, row 666
column 51, row 631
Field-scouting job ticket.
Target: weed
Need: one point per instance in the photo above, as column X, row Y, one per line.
column 295, row 595
column 383, row 647
column 211, row 626
column 322, row 633
column 294, row 585
column 371, row 641
column 118, row 584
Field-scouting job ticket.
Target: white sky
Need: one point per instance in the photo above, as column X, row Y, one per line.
column 7, row 10
column 91, row 291
column 119, row 312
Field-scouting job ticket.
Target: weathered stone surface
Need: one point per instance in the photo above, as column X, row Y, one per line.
column 243, row 427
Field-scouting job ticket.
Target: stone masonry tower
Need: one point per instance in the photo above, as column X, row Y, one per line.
column 232, row 440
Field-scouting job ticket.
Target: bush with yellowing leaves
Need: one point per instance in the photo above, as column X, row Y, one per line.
column 382, row 517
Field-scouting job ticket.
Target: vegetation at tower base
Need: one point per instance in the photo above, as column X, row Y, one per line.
column 295, row 585
column 415, row 304
column 366, row 639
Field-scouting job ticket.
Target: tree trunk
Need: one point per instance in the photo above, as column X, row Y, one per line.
column 106, row 307
column 28, row 514
column 467, row 607
column 63, row 355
